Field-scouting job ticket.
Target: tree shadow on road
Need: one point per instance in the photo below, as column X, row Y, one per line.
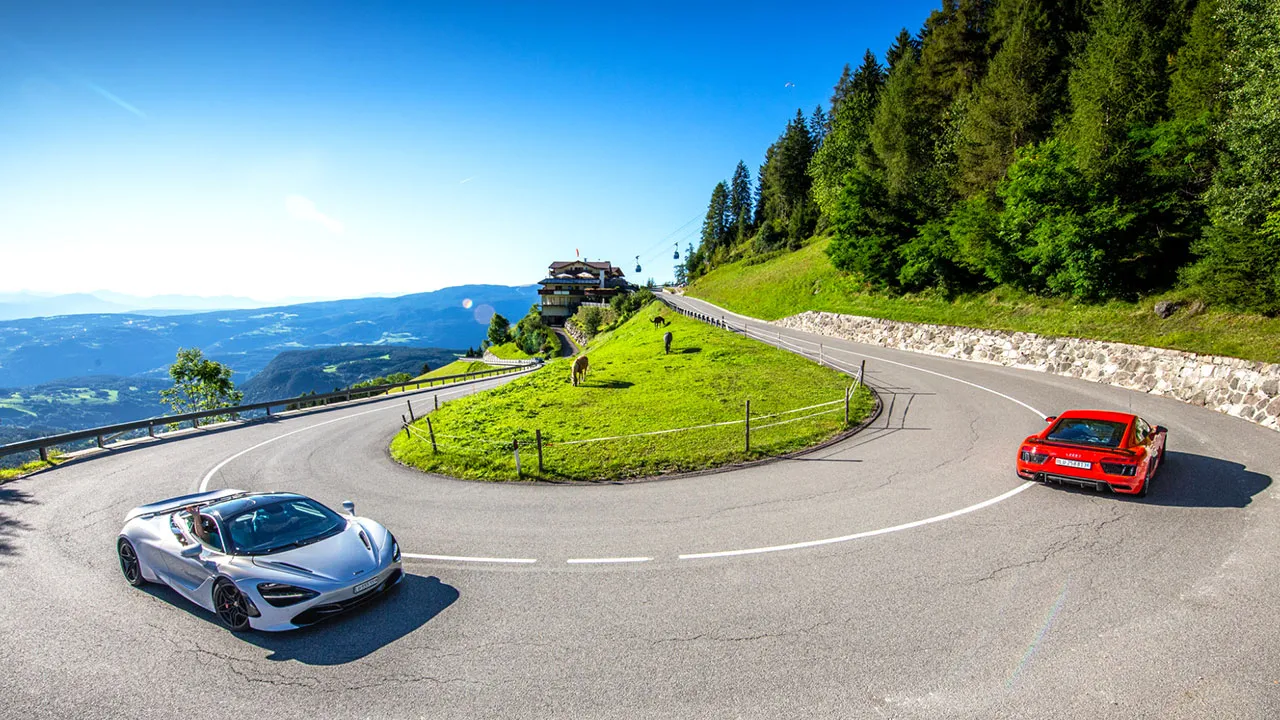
column 346, row 638
column 11, row 526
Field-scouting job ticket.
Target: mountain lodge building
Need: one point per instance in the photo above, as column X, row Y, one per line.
column 571, row 283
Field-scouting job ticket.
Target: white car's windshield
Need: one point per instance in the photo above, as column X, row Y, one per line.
column 281, row 526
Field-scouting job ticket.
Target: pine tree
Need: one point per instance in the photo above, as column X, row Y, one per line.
column 819, row 126
column 1239, row 255
column 789, row 215
column 1020, row 97
column 1198, row 81
column 903, row 45
column 740, row 207
column 901, row 133
column 715, row 227
column 1118, row 82
column 848, row 139
column 842, row 89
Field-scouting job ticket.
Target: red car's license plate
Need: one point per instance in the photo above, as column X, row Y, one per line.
column 1072, row 463
column 367, row 584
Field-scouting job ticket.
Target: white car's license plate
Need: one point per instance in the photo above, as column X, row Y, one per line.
column 1072, row 463
column 366, row 585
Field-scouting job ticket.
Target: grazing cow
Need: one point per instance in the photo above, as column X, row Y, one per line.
column 580, row 367
column 666, row 342
column 659, row 321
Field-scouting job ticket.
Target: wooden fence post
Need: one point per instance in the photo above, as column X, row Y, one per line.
column 411, row 417
column 44, row 454
column 848, row 391
column 748, row 426
column 537, row 434
column 432, row 432
column 515, row 446
column 437, row 397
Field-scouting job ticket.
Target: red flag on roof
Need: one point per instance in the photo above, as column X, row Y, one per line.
column 576, row 253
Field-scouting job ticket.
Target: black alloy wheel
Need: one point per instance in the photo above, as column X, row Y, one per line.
column 129, row 564
column 230, row 605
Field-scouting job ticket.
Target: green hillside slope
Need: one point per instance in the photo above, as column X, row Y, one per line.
column 633, row 387
column 794, row 282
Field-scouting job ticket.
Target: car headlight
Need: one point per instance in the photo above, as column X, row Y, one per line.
column 281, row 595
column 395, row 549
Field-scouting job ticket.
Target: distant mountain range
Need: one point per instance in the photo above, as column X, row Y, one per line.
column 296, row 372
column 39, row 350
column 30, row 305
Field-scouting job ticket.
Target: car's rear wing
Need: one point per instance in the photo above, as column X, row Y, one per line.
column 1086, row 446
column 181, row 501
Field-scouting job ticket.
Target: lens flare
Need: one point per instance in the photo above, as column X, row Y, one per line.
column 466, row 303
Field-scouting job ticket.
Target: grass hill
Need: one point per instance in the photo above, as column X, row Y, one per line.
column 295, row 372
column 633, row 387
column 776, row 286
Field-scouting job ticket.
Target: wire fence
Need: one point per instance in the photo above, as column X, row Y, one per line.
column 560, row 454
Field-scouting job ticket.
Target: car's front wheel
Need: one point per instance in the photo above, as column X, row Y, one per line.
column 130, row 566
column 232, row 608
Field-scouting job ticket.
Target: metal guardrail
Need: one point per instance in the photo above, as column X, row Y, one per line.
column 106, row 433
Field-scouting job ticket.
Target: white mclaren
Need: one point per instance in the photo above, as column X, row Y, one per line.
column 262, row 561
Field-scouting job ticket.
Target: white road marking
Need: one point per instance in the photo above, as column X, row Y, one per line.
column 461, row 558
column 204, row 483
column 590, row 561
column 867, row 534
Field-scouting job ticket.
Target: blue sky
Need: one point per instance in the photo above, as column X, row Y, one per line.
column 278, row 150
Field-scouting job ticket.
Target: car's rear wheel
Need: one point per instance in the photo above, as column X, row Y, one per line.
column 231, row 606
column 1146, row 484
column 130, row 566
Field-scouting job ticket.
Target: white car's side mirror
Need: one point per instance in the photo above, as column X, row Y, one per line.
column 350, row 507
column 190, row 551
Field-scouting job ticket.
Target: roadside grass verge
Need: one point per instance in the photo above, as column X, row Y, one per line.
column 457, row 367
column 633, row 387
column 510, row 351
column 794, row 282
column 55, row 458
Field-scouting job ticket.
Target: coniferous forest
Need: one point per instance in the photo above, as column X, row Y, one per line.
column 1084, row 149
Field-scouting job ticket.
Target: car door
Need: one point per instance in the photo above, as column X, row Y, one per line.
column 194, row 573
column 1144, row 436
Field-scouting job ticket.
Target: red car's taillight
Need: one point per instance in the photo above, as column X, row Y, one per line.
column 1029, row 455
column 1111, row 466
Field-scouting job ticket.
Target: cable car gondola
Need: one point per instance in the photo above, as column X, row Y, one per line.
column 637, row 263
column 676, row 255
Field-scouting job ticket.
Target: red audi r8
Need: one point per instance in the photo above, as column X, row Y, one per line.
column 1094, row 449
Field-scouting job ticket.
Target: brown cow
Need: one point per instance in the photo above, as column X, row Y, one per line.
column 580, row 367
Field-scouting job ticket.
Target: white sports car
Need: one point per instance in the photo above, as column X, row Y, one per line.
column 267, row 561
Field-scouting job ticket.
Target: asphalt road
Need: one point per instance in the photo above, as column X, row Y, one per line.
column 1042, row 602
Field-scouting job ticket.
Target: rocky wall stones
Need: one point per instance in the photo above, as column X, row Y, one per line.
column 1243, row 388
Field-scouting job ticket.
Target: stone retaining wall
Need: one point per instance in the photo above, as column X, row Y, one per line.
column 576, row 334
column 1242, row 388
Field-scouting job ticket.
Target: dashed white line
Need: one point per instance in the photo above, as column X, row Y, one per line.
column 867, row 534
column 591, row 561
column 463, row 558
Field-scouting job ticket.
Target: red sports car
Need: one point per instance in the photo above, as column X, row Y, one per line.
column 1095, row 449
